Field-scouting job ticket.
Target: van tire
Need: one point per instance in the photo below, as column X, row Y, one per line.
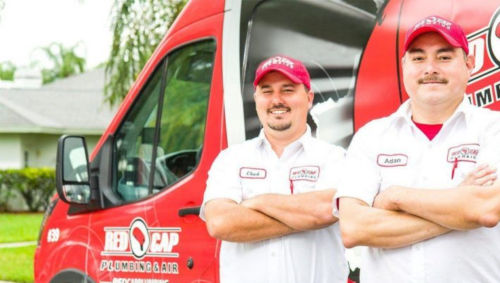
column 71, row 276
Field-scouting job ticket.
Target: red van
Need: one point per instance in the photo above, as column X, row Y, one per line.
column 129, row 213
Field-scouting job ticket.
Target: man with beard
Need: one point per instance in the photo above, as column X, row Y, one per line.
column 408, row 193
column 269, row 198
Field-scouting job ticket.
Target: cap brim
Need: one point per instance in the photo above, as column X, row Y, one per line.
column 423, row 30
column 271, row 69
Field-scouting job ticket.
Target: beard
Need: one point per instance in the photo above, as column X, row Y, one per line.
column 280, row 127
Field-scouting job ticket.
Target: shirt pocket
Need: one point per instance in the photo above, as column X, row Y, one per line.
column 253, row 187
column 460, row 172
column 395, row 176
column 301, row 186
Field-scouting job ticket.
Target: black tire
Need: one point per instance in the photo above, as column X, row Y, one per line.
column 71, row 276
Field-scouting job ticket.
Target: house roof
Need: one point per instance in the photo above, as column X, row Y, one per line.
column 73, row 105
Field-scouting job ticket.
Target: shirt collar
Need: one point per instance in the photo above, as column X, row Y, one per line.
column 303, row 141
column 463, row 110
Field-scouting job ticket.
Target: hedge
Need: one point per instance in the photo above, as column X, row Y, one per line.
column 35, row 185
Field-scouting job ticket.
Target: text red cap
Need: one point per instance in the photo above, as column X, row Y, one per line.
column 293, row 69
column 450, row 31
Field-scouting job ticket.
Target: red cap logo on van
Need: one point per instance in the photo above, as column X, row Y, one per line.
column 139, row 241
column 484, row 88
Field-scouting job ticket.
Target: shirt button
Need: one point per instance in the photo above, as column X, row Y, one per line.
column 273, row 254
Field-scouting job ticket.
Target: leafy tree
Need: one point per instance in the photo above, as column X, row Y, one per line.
column 64, row 61
column 138, row 27
column 7, row 70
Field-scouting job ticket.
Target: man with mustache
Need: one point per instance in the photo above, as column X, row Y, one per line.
column 269, row 199
column 414, row 191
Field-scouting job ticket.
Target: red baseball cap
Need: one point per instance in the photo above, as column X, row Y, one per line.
column 293, row 69
column 450, row 31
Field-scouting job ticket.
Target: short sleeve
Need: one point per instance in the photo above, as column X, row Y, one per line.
column 361, row 176
column 223, row 180
column 490, row 150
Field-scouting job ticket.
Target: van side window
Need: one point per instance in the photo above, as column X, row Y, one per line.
column 330, row 43
column 184, row 111
column 134, row 142
column 175, row 149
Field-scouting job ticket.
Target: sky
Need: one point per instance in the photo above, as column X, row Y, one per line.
column 26, row 25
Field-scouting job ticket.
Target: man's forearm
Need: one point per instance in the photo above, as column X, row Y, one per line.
column 461, row 208
column 362, row 225
column 305, row 211
column 232, row 222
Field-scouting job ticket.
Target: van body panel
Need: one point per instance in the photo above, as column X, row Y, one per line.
column 157, row 234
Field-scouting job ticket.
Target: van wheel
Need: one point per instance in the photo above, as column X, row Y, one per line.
column 71, row 276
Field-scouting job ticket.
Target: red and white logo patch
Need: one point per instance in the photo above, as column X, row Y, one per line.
column 139, row 240
column 253, row 173
column 304, row 173
column 463, row 152
column 392, row 160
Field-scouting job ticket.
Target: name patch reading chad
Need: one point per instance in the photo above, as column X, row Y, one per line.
column 253, row 173
column 392, row 160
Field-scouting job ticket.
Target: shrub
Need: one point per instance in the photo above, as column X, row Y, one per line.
column 5, row 193
column 35, row 185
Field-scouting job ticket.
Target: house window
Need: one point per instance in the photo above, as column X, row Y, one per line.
column 26, row 159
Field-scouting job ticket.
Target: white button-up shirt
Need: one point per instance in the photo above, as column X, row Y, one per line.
column 393, row 151
column 253, row 168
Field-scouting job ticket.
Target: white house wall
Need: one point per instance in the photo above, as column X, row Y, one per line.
column 42, row 149
column 10, row 151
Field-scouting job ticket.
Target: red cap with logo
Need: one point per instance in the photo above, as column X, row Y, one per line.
column 450, row 31
column 293, row 69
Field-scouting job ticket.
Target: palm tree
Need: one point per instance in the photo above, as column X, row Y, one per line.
column 138, row 26
column 64, row 61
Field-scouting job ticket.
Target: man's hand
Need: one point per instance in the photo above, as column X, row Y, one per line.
column 229, row 221
column 302, row 212
column 362, row 225
column 482, row 175
column 386, row 199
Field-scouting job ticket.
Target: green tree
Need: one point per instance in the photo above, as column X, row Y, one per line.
column 7, row 70
column 64, row 61
column 138, row 27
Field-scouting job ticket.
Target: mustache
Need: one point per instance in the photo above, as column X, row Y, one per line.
column 433, row 79
column 280, row 106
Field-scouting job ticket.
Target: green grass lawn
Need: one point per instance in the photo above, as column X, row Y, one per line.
column 16, row 264
column 19, row 227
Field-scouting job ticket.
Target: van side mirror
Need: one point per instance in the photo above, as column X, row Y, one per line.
column 72, row 170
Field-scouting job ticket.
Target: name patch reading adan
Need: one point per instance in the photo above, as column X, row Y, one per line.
column 304, row 173
column 253, row 173
column 392, row 160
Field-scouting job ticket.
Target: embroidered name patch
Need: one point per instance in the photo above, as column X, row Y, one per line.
column 463, row 152
column 253, row 173
column 304, row 173
column 392, row 160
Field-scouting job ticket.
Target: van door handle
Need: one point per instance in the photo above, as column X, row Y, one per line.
column 195, row 210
